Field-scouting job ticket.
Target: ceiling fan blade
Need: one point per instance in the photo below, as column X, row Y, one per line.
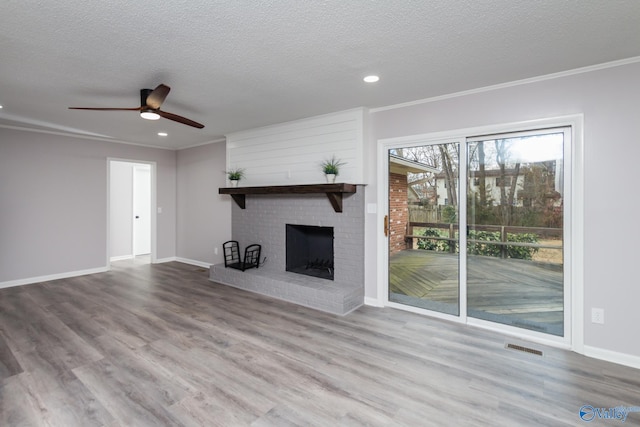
column 179, row 119
column 106, row 109
column 157, row 96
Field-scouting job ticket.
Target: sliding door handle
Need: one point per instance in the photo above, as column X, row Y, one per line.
column 386, row 226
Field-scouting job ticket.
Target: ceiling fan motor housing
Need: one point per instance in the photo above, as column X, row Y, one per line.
column 144, row 93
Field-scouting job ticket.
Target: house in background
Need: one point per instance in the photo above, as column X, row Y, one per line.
column 401, row 193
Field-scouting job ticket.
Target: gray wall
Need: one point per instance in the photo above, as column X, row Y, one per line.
column 204, row 216
column 609, row 100
column 53, row 202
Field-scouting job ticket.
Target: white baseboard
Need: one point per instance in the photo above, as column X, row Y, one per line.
column 183, row 260
column 49, row 277
column 121, row 258
column 612, row 356
column 194, row 262
column 161, row 260
column 374, row 302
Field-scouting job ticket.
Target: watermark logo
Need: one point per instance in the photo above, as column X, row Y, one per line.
column 589, row 413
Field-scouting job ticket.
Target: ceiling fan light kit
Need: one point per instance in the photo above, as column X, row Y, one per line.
column 150, row 102
column 149, row 115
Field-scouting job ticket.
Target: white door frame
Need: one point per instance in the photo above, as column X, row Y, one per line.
column 574, row 225
column 154, row 208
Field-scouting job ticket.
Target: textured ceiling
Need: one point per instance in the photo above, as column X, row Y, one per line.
column 235, row 65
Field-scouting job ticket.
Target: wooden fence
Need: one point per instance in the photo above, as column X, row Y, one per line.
column 548, row 233
column 425, row 213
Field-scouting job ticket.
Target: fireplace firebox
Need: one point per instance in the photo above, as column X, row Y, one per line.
column 309, row 250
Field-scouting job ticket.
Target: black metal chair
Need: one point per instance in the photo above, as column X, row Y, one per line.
column 232, row 259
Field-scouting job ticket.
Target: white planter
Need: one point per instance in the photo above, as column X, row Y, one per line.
column 331, row 178
column 234, row 182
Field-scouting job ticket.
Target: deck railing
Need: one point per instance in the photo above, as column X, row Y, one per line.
column 502, row 229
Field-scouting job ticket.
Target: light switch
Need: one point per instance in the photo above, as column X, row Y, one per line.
column 159, row 210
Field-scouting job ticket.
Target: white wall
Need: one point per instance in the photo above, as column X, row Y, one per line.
column 291, row 153
column 53, row 203
column 204, row 216
column 609, row 99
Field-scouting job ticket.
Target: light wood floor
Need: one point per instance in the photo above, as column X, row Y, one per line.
column 159, row 345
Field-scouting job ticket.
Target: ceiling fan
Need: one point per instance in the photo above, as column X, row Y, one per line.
column 150, row 102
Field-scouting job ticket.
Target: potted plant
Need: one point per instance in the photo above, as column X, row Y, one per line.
column 234, row 176
column 331, row 168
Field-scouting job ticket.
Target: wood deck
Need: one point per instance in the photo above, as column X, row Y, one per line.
column 516, row 292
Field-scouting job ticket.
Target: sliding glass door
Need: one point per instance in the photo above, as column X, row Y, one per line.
column 515, row 217
column 507, row 193
column 423, row 223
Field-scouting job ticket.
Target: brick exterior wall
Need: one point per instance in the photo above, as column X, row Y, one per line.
column 263, row 222
column 398, row 211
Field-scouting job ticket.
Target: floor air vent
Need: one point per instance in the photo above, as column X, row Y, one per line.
column 524, row 349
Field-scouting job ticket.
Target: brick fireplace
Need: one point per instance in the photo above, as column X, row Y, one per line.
column 264, row 221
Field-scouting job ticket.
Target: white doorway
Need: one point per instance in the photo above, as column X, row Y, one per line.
column 141, row 209
column 131, row 207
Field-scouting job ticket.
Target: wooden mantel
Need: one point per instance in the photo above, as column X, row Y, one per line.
column 333, row 191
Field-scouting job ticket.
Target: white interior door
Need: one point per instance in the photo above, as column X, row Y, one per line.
column 141, row 210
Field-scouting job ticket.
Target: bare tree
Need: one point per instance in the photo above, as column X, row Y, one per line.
column 450, row 174
column 482, row 178
column 506, row 200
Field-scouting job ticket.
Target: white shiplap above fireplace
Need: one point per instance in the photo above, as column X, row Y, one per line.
column 291, row 153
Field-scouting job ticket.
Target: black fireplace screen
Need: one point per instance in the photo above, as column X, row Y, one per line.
column 310, row 250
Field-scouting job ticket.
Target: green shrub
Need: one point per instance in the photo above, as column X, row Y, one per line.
column 432, row 244
column 428, row 244
column 487, row 249
column 449, row 214
column 521, row 252
column 483, row 248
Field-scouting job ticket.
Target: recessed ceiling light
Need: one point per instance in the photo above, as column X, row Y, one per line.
column 162, row 134
column 0, row 106
column 371, row 79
